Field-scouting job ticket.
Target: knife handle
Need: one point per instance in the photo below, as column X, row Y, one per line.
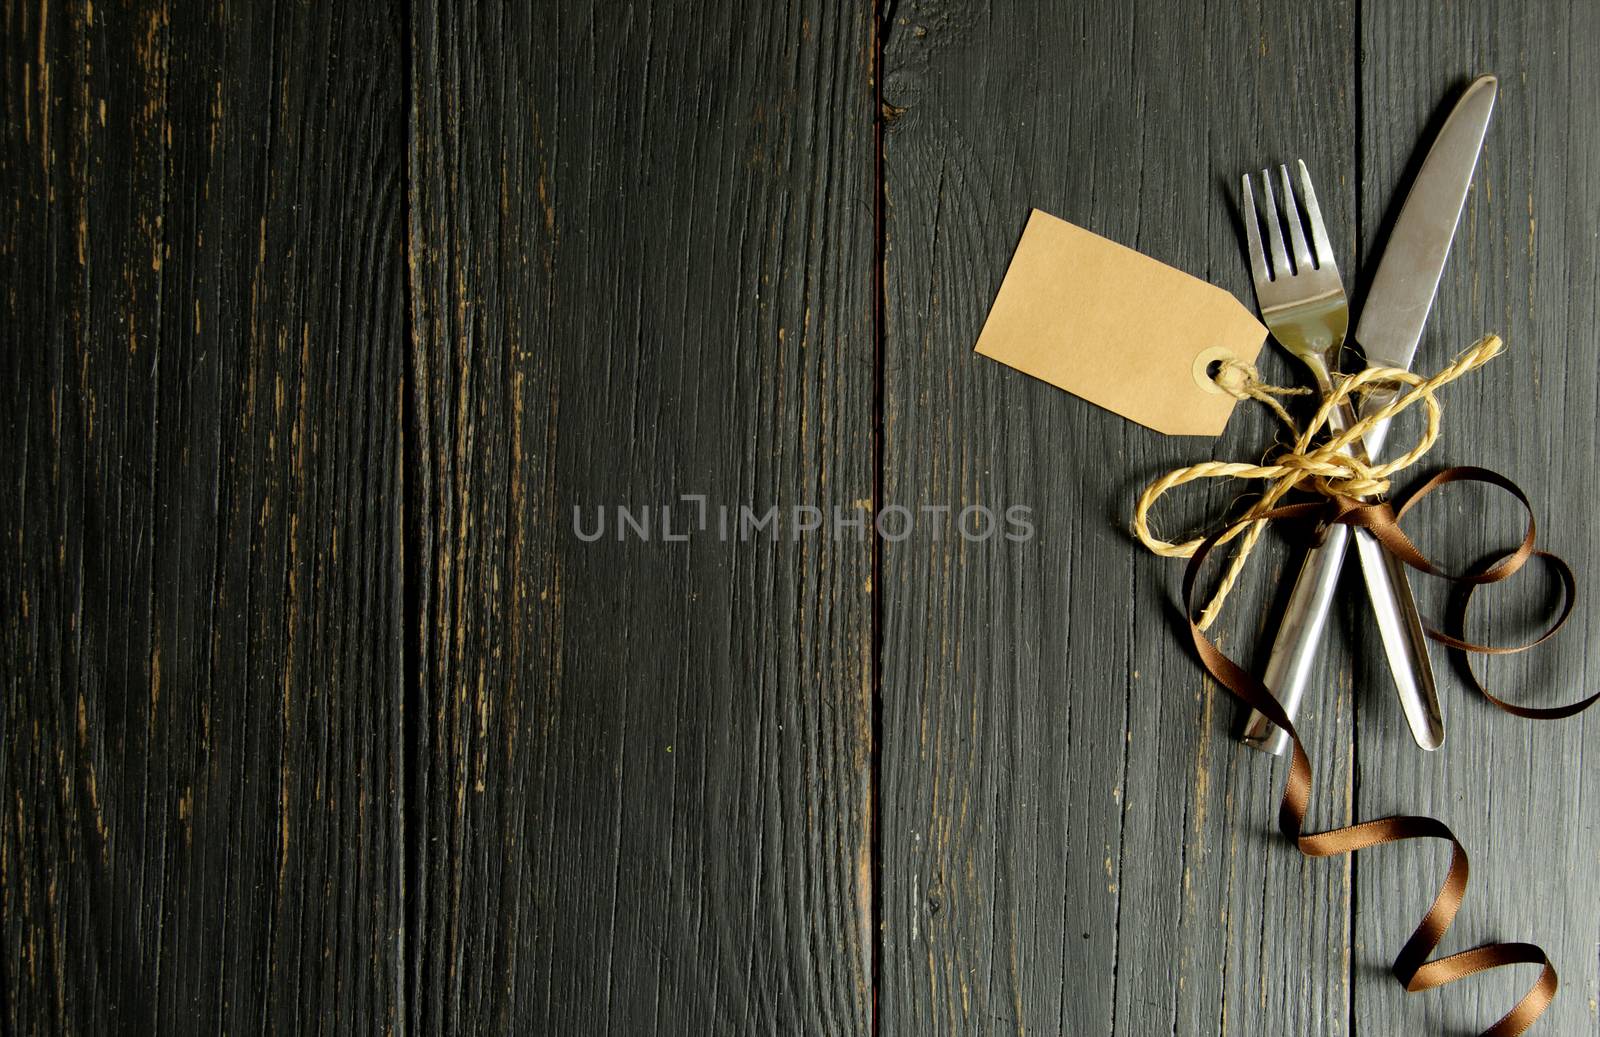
column 1404, row 642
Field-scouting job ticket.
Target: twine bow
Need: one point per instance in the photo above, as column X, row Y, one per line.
column 1326, row 467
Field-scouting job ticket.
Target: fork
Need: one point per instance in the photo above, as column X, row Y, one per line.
column 1305, row 308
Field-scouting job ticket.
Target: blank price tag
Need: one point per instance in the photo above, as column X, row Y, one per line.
column 1118, row 328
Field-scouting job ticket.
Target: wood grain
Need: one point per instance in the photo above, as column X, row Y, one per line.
column 317, row 322
column 1073, row 843
column 641, row 251
column 203, row 309
column 1518, row 794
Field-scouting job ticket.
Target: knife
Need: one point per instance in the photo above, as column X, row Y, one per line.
column 1390, row 327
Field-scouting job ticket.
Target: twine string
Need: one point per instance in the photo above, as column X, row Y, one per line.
column 1327, row 466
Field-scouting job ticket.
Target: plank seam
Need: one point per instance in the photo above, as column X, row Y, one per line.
column 1354, row 807
column 880, row 25
column 413, row 423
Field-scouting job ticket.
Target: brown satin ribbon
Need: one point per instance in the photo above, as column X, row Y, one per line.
column 1412, row 967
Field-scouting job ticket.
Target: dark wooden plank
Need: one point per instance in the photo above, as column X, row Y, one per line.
column 1519, row 795
column 641, row 245
column 203, row 322
column 1072, row 841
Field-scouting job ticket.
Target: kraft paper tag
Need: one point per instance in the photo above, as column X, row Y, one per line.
column 1118, row 329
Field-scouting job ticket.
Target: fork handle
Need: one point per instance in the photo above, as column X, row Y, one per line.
column 1294, row 650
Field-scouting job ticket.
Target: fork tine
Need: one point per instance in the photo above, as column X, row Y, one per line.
column 1291, row 212
column 1319, row 233
column 1252, row 235
column 1280, row 258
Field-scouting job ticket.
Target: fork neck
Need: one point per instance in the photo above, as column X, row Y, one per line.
column 1321, row 371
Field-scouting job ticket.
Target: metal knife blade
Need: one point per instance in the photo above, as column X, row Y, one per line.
column 1407, row 279
column 1389, row 329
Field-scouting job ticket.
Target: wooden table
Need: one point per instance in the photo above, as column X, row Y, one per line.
column 321, row 319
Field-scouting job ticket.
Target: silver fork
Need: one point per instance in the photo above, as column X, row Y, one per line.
column 1306, row 310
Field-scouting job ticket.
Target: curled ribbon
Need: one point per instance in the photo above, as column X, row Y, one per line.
column 1338, row 479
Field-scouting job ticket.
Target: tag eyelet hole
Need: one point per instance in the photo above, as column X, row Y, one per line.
column 1208, row 365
